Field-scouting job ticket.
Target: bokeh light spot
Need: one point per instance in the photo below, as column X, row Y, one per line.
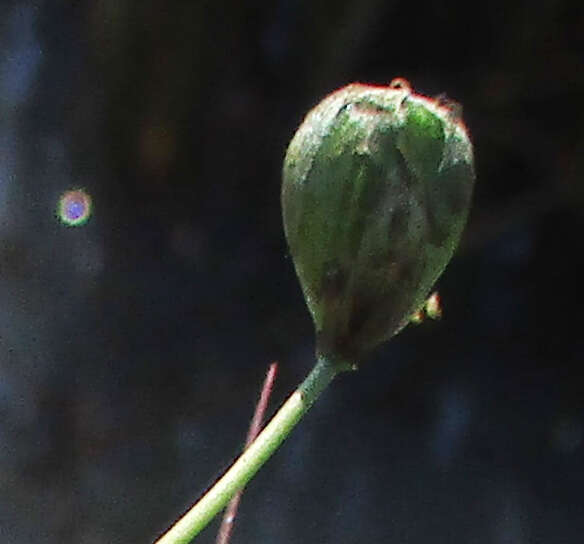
column 74, row 208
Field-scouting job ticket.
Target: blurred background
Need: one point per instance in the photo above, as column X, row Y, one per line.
column 133, row 347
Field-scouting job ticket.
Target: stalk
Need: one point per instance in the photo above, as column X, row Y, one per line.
column 252, row 459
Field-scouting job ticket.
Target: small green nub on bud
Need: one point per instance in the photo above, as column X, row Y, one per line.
column 377, row 183
column 417, row 318
column 433, row 306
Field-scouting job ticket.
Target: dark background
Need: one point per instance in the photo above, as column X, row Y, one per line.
column 132, row 348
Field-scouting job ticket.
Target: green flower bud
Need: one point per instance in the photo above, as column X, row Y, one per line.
column 377, row 183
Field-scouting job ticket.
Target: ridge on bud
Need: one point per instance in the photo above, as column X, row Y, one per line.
column 377, row 183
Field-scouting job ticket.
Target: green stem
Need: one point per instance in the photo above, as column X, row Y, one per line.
column 251, row 460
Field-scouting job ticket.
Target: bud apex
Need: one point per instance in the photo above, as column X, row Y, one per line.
column 376, row 189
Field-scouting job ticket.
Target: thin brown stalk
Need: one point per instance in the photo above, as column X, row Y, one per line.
column 226, row 528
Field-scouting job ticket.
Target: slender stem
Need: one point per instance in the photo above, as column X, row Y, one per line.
column 251, row 460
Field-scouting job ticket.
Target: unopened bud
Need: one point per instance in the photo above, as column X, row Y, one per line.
column 377, row 183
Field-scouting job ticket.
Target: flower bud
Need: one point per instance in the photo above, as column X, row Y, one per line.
column 377, row 183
